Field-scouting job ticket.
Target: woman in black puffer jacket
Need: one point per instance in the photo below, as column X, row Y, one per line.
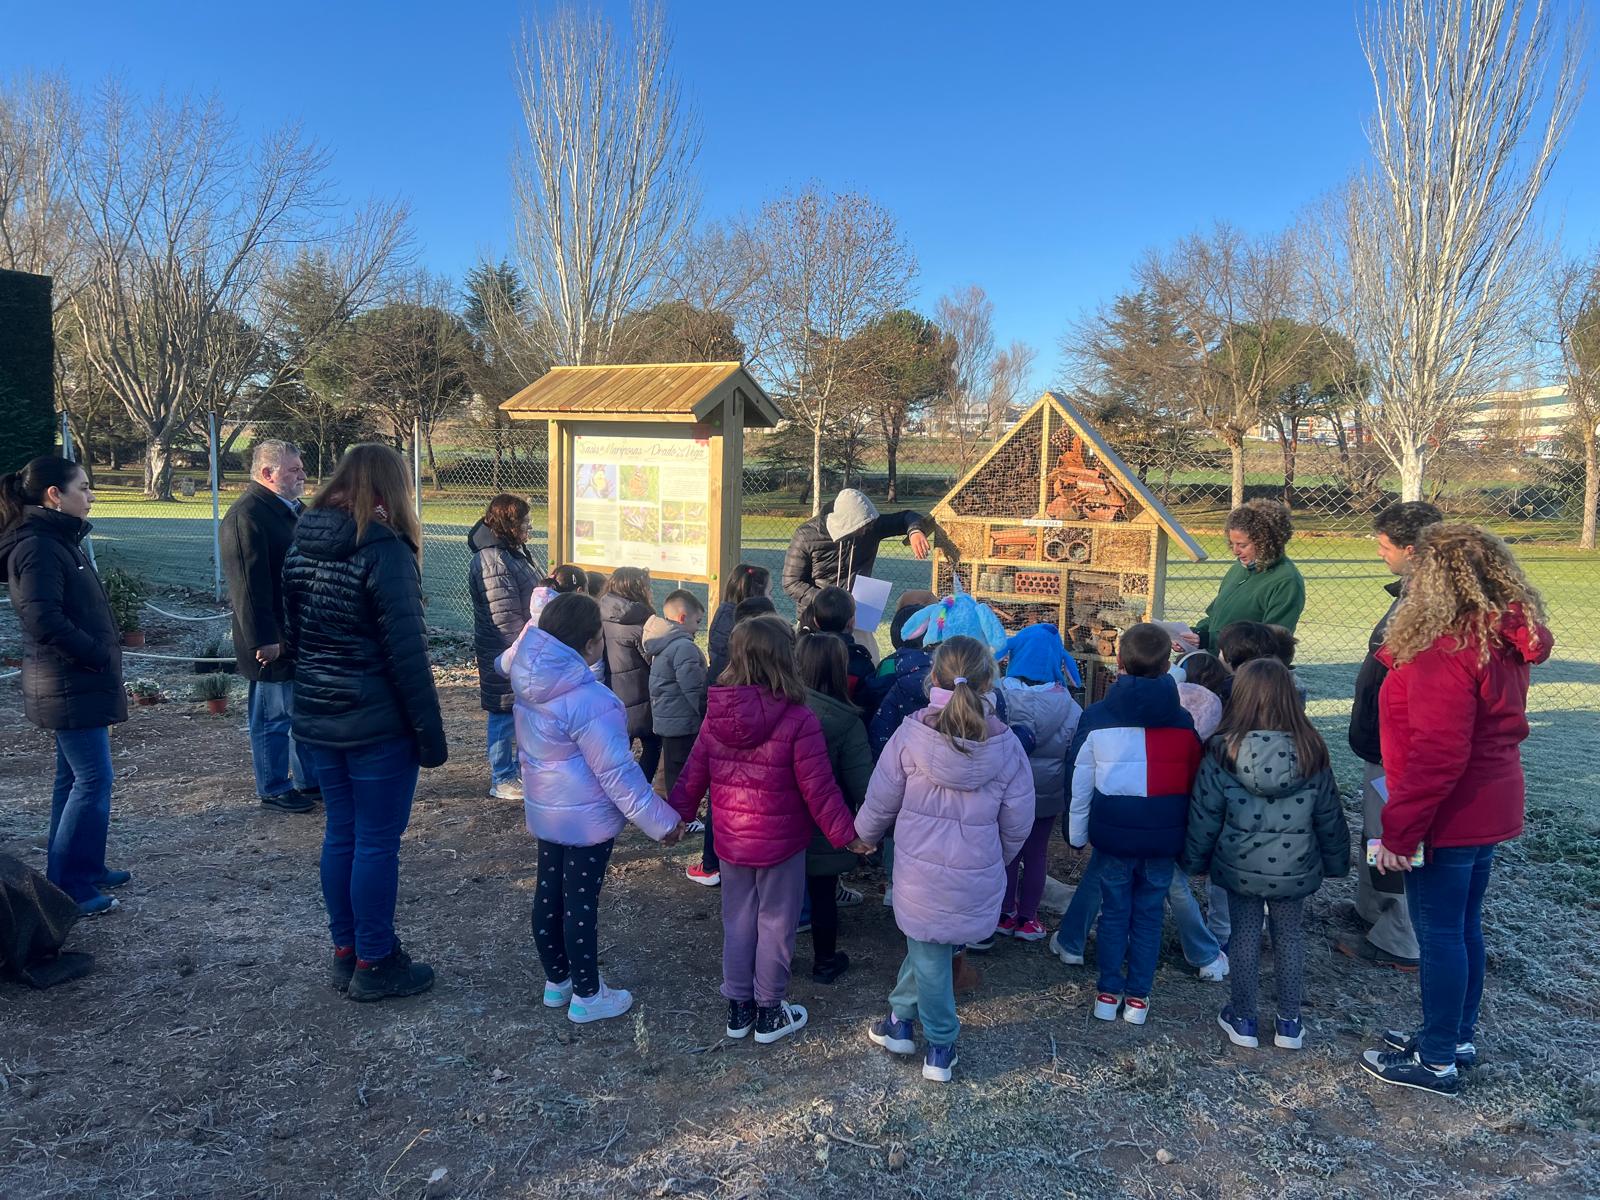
column 625, row 605
column 502, row 576
column 71, row 664
column 365, row 708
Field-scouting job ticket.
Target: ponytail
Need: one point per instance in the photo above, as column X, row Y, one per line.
column 965, row 668
column 30, row 485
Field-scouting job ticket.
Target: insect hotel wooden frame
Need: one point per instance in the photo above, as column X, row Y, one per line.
column 1051, row 525
column 656, row 450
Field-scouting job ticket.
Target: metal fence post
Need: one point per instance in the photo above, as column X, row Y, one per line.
column 216, row 515
column 66, row 438
column 416, row 465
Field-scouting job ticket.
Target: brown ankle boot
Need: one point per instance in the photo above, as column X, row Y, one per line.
column 965, row 976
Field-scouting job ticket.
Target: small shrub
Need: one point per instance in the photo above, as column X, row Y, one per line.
column 126, row 593
column 145, row 687
column 211, row 687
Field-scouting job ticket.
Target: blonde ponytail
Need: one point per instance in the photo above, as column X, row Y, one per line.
column 965, row 668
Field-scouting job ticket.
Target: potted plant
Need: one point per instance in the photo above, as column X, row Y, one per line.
column 126, row 593
column 145, row 691
column 219, row 647
column 213, row 689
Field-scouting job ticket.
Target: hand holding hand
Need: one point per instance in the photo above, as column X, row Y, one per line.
column 1387, row 860
column 919, row 543
column 674, row 835
column 860, row 847
column 266, row 654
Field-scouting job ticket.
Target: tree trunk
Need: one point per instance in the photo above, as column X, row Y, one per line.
column 816, row 466
column 1591, row 487
column 1410, row 465
column 892, row 451
column 1291, row 446
column 1236, row 455
column 433, row 463
column 1343, row 441
column 158, row 467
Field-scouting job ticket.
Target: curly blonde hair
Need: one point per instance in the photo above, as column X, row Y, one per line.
column 1266, row 523
column 1463, row 580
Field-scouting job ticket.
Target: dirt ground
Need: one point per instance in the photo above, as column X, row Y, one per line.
column 206, row 1056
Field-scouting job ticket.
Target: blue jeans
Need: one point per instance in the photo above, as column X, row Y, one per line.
column 503, row 767
column 274, row 756
column 1133, row 893
column 925, row 991
column 1445, row 899
column 366, row 793
column 80, row 811
column 1200, row 946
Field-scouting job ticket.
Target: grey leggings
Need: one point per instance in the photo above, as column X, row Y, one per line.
column 1244, row 953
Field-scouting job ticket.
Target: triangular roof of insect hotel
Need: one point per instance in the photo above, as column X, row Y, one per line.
column 671, row 392
column 1053, row 458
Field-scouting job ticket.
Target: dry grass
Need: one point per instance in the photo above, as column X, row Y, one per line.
column 206, row 1057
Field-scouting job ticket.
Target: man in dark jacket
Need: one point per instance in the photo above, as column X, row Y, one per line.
column 255, row 536
column 841, row 542
column 1381, row 899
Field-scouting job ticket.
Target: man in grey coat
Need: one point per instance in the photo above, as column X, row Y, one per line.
column 254, row 538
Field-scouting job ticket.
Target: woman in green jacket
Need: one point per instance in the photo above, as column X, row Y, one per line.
column 822, row 660
column 1263, row 585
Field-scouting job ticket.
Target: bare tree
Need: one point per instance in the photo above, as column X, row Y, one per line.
column 605, row 186
column 1473, row 101
column 41, row 128
column 1007, row 384
column 966, row 314
column 830, row 265
column 1234, row 300
column 1575, row 307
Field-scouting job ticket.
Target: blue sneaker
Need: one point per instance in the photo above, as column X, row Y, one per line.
column 96, row 905
column 115, row 879
column 1291, row 1035
column 939, row 1063
column 894, row 1035
column 1241, row 1031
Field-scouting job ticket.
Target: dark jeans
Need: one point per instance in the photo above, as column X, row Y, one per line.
column 649, row 756
column 1445, row 898
column 674, row 753
column 823, row 891
column 1133, row 898
column 80, row 811
column 366, row 793
column 566, row 912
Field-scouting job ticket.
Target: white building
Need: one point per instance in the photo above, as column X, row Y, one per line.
column 1533, row 419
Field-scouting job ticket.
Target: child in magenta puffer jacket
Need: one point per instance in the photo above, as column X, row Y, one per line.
column 580, row 787
column 762, row 755
column 956, row 785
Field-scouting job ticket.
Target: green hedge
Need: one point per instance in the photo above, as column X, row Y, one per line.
column 27, row 362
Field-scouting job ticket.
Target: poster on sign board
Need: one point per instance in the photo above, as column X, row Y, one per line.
column 641, row 502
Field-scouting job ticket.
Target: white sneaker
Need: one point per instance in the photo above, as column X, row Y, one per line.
column 606, row 1003
column 695, row 826
column 557, row 995
column 790, row 1018
column 1066, row 956
column 888, row 896
column 1216, row 971
column 511, row 789
column 1106, row 1005
column 846, row 897
column 1135, row 1011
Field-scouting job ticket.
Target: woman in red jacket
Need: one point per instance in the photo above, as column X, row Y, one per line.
column 762, row 754
column 1452, row 715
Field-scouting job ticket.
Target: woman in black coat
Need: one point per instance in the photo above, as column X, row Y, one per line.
column 71, row 664
column 502, row 576
column 365, row 708
column 625, row 605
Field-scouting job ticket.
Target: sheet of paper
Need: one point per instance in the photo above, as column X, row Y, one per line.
column 1380, row 785
column 872, row 597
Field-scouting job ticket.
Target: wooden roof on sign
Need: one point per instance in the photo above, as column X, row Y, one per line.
column 1068, row 413
column 687, row 392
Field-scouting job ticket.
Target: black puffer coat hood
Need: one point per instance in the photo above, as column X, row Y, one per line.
column 71, row 649
column 354, row 610
column 502, row 577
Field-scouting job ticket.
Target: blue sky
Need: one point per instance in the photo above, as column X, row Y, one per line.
column 1035, row 149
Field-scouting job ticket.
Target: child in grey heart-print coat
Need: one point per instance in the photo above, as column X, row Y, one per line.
column 1265, row 822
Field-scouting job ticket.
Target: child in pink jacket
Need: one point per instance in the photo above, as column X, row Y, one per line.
column 955, row 784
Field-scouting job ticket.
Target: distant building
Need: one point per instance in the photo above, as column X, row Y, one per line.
column 1532, row 419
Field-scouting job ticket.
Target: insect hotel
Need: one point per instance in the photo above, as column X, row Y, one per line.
column 1051, row 525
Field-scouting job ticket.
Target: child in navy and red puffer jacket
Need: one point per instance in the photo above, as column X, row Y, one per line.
column 762, row 754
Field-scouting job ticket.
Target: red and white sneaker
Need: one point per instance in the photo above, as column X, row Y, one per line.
column 1030, row 931
column 1136, row 1010
column 1106, row 1005
column 702, row 876
column 1006, row 926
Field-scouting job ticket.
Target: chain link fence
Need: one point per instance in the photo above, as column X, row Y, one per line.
column 1531, row 499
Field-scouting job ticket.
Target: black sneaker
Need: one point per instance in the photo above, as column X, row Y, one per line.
column 312, row 794
column 741, row 1017
column 1405, row 1069
column 395, row 975
column 1406, row 1043
column 344, row 967
column 779, row 1021
column 826, row 970
column 289, row 802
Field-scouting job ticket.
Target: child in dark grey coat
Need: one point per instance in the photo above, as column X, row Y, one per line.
column 1266, row 824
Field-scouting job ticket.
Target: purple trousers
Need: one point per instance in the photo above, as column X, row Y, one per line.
column 1022, row 897
column 760, row 909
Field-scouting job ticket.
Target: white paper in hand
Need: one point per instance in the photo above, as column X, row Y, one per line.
column 872, row 598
